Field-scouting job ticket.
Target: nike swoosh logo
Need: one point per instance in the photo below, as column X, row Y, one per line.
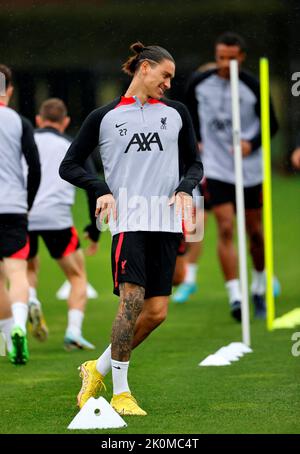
column 117, row 367
column 118, row 126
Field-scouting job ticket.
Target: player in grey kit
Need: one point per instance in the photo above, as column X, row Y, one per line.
column 51, row 219
column 209, row 102
column 149, row 150
column 16, row 140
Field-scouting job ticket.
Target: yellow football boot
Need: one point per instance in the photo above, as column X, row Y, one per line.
column 92, row 382
column 126, row 405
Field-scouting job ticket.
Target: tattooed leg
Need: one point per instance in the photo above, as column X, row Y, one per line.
column 131, row 303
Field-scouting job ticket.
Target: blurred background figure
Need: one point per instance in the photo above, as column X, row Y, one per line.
column 16, row 140
column 209, row 102
column 186, row 270
column 51, row 219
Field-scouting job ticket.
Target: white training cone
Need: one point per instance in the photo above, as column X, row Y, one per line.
column 64, row 291
column 214, row 360
column 91, row 292
column 97, row 414
column 228, row 354
column 239, row 347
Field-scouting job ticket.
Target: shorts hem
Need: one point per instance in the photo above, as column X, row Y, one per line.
column 127, row 281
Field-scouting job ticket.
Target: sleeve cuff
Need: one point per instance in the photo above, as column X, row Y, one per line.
column 186, row 187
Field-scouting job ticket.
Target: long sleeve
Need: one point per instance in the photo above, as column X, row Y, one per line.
column 190, row 165
column 31, row 155
column 253, row 84
column 91, row 228
column 72, row 167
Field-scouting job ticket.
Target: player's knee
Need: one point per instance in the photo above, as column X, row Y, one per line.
column 226, row 231
column 158, row 316
column 75, row 271
column 256, row 238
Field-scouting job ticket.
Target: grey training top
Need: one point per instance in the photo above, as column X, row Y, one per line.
column 145, row 150
column 52, row 206
column 16, row 138
column 209, row 102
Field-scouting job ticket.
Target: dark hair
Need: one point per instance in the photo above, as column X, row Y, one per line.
column 53, row 109
column 7, row 74
column 151, row 53
column 231, row 39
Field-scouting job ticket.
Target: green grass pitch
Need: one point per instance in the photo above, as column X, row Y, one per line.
column 258, row 394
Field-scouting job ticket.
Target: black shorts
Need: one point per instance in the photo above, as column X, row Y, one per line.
column 13, row 236
column 146, row 259
column 204, row 192
column 59, row 243
column 220, row 193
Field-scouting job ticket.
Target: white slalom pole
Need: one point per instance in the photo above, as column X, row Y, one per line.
column 240, row 204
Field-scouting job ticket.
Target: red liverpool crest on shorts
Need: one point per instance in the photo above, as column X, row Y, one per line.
column 123, row 263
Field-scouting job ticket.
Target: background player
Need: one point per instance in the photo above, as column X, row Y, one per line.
column 209, row 102
column 16, row 140
column 51, row 219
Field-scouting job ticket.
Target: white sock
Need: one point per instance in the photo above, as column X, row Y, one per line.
column 75, row 319
column 119, row 375
column 20, row 314
column 258, row 285
column 103, row 364
column 33, row 299
column 191, row 273
column 32, row 293
column 6, row 325
column 233, row 289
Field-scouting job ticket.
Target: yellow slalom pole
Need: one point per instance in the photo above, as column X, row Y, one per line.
column 267, row 188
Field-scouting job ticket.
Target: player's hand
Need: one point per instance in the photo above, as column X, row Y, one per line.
column 246, row 148
column 295, row 158
column 106, row 205
column 183, row 204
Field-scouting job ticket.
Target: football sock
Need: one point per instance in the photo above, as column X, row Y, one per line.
column 32, row 293
column 75, row 319
column 258, row 285
column 191, row 273
column 119, row 376
column 103, row 364
column 20, row 314
column 233, row 289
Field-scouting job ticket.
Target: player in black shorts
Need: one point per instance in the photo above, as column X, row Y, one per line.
column 209, row 102
column 51, row 219
column 16, row 198
column 147, row 144
column 187, row 264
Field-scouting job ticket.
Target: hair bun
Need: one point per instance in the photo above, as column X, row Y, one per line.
column 137, row 47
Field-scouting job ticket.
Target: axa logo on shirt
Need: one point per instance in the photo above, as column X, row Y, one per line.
column 144, row 142
column 220, row 125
